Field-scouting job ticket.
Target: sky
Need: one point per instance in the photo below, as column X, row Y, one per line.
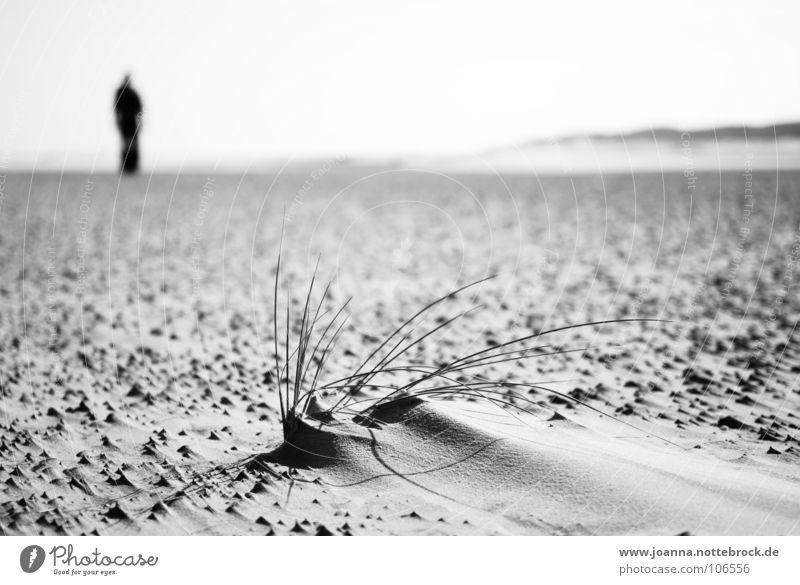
column 234, row 83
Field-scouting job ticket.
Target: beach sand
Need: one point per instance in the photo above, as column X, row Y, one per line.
column 137, row 360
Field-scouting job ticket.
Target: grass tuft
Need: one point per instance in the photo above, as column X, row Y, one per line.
column 462, row 376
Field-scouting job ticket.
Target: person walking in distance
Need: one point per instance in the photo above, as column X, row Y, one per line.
column 128, row 112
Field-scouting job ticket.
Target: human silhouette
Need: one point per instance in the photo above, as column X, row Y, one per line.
column 128, row 112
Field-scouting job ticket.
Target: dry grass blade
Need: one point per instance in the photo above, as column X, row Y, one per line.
column 391, row 356
column 275, row 321
column 460, row 360
column 410, row 320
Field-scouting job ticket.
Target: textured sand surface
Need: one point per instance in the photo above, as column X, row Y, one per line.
column 136, row 352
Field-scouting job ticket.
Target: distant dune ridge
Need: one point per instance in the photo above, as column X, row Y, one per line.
column 788, row 130
column 727, row 148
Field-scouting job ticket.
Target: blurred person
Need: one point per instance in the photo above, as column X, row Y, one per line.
column 128, row 112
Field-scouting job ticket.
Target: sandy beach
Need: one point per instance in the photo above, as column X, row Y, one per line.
column 139, row 390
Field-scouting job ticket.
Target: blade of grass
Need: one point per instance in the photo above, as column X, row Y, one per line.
column 275, row 319
column 417, row 314
column 303, row 340
column 452, row 364
column 389, row 357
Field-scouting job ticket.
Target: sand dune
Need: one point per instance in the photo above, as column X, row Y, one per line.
column 539, row 477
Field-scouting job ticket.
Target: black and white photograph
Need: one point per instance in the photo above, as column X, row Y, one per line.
column 439, row 268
